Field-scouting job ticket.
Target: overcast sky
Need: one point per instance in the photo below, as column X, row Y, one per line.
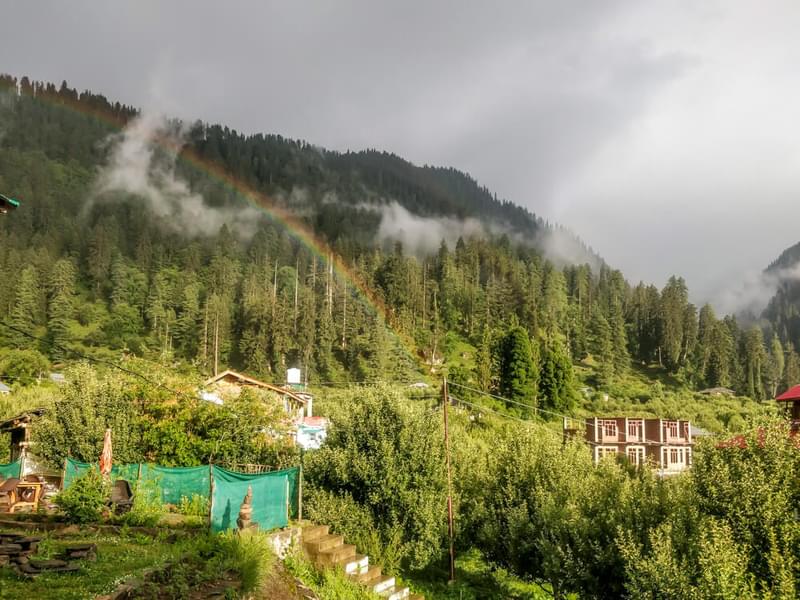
column 665, row 134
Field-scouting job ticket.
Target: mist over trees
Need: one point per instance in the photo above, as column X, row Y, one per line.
column 104, row 278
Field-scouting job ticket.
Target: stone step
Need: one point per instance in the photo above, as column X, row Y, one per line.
column 354, row 565
column 328, row 558
column 322, row 543
column 310, row 532
column 396, row 593
column 416, row 597
column 384, row 582
column 373, row 572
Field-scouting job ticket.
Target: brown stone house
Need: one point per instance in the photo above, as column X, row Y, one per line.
column 665, row 444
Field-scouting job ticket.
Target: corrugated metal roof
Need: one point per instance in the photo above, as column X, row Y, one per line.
column 792, row 393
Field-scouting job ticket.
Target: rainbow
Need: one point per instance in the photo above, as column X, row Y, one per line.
column 296, row 228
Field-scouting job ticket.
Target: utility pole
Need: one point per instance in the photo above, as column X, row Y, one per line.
column 449, row 483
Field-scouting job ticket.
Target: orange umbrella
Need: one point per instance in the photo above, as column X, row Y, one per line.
column 105, row 455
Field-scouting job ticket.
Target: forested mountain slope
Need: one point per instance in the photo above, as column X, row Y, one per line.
column 169, row 262
column 783, row 310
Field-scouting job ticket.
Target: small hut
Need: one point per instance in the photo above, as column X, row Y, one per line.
column 790, row 399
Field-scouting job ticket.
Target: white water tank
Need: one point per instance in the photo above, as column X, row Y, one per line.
column 293, row 376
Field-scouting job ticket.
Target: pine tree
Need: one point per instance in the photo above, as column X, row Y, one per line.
column 555, row 379
column 791, row 371
column 483, row 361
column 26, row 311
column 518, row 371
column 60, row 308
column 775, row 366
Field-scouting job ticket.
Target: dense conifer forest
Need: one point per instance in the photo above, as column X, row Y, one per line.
column 100, row 273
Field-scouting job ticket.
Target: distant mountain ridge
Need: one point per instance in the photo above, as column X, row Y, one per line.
column 276, row 165
column 783, row 309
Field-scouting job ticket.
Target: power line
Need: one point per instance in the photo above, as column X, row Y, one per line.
column 549, row 412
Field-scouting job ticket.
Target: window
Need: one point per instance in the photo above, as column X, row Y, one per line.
column 635, row 431
column 605, row 452
column 609, row 429
column 671, row 428
column 673, row 456
column 635, row 455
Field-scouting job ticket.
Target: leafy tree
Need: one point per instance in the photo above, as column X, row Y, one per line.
column 387, row 456
column 23, row 367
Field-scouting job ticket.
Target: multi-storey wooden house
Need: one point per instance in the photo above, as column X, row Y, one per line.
column 665, row 444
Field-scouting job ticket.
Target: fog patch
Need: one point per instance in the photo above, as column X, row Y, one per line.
column 756, row 290
column 421, row 235
column 142, row 163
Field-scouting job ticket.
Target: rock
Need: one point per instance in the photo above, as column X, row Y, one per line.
column 48, row 564
column 71, row 530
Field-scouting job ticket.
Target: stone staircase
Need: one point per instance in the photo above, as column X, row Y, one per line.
column 327, row 550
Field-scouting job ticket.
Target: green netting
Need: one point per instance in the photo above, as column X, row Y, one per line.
column 270, row 497
column 74, row 469
column 275, row 494
column 177, row 482
column 11, row 469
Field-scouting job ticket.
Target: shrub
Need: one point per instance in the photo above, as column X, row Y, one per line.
column 387, row 456
column 384, row 545
column 85, row 499
column 147, row 508
column 248, row 553
column 196, row 506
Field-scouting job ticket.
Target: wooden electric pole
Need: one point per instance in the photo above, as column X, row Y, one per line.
column 449, row 482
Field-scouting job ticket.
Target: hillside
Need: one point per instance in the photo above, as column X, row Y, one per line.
column 198, row 245
column 783, row 310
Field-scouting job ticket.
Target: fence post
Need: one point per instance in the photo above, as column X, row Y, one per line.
column 64, row 474
column 300, row 494
column 446, row 399
column 210, row 492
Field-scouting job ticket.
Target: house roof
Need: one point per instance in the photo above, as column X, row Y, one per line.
column 698, row 431
column 4, row 388
column 792, row 393
column 718, row 391
column 246, row 380
column 14, row 422
column 320, row 422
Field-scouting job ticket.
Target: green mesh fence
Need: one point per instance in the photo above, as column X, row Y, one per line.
column 271, row 493
column 275, row 494
column 74, row 469
column 177, row 482
column 11, row 469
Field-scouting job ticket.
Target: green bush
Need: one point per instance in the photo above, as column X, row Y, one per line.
column 384, row 545
column 196, row 506
column 386, row 455
column 329, row 584
column 248, row 553
column 85, row 499
column 147, row 508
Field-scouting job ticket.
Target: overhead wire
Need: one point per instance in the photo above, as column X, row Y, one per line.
column 550, row 412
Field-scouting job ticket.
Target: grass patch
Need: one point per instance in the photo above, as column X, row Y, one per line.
column 328, row 584
column 118, row 557
column 475, row 580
